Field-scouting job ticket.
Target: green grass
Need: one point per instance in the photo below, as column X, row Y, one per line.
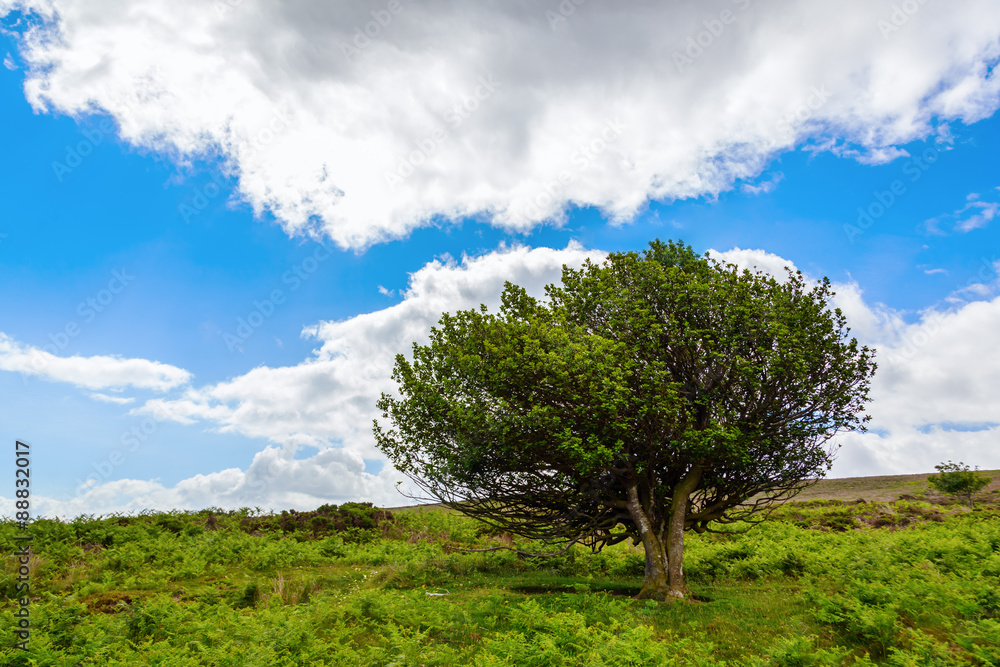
column 823, row 582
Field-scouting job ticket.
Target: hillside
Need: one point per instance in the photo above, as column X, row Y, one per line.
column 882, row 488
column 885, row 488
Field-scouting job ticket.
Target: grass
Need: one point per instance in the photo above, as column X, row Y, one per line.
column 912, row 581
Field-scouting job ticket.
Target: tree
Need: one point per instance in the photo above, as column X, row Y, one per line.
column 648, row 395
column 957, row 479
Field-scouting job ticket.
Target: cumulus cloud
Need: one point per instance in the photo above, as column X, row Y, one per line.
column 325, row 404
column 755, row 260
column 932, row 395
column 932, row 398
column 363, row 124
column 273, row 481
column 871, row 323
column 97, row 372
column 330, row 397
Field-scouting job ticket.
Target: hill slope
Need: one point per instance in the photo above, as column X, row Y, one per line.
column 883, row 488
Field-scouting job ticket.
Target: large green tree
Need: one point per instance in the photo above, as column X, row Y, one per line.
column 660, row 392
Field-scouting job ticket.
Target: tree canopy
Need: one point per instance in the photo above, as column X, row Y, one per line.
column 645, row 396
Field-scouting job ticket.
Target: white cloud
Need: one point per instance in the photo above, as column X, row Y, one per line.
column 9, row 63
column 330, row 398
column 980, row 285
column 326, row 404
column 871, row 156
column 980, row 213
column 97, row 372
column 508, row 117
column 755, row 260
column 933, row 393
column 870, row 323
column 104, row 398
column 273, row 480
column 764, row 187
column 945, row 367
column 974, row 215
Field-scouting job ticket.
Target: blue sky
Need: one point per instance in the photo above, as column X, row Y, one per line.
column 180, row 229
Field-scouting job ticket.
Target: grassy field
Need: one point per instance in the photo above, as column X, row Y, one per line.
column 904, row 578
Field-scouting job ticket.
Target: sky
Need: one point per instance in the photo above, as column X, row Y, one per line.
column 222, row 219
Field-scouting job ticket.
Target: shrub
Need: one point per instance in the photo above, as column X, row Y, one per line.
column 356, row 522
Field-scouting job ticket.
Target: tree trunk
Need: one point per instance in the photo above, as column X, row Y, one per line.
column 664, row 561
column 656, row 584
column 675, row 531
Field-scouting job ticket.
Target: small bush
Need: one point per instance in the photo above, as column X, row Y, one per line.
column 356, row 522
